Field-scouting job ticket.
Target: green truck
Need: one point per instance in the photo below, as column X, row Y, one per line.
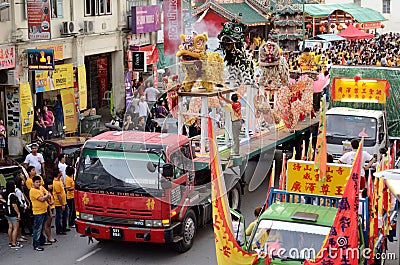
column 294, row 226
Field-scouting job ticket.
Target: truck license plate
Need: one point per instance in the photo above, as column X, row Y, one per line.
column 116, row 233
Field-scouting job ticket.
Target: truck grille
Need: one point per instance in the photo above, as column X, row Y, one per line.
column 119, row 221
column 140, row 212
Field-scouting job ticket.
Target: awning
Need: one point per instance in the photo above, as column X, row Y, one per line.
column 352, row 33
column 249, row 15
column 360, row 14
column 329, row 37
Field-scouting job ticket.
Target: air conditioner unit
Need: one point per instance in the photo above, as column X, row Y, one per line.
column 88, row 26
column 7, row 78
column 69, row 28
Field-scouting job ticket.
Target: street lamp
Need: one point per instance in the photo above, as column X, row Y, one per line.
column 4, row 5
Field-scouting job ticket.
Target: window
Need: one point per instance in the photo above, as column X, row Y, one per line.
column 97, row 7
column 4, row 14
column 357, row 2
column 386, row 7
column 57, row 9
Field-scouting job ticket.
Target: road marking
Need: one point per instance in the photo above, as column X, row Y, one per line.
column 88, row 254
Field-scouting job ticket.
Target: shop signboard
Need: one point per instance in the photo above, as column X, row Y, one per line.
column 39, row 14
column 7, row 56
column 13, row 111
column 27, row 111
column 61, row 77
column 68, row 101
column 58, row 50
column 82, row 87
column 139, row 61
column 40, row 59
column 302, row 177
column 145, row 19
column 172, row 25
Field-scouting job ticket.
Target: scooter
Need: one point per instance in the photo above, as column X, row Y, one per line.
column 115, row 124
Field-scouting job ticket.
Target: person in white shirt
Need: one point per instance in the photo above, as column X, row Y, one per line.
column 62, row 166
column 35, row 159
column 238, row 230
column 143, row 108
column 348, row 158
column 151, row 94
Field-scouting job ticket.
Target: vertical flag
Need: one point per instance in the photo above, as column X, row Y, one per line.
column 27, row 112
column 343, row 237
column 227, row 249
column 282, row 177
column 172, row 25
column 320, row 149
column 303, row 151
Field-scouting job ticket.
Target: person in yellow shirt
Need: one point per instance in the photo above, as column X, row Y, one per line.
column 31, row 173
column 39, row 196
column 60, row 203
column 47, row 228
column 70, row 187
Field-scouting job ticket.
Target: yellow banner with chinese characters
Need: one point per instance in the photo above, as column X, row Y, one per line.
column 68, row 102
column 58, row 50
column 302, row 177
column 82, row 87
column 27, row 111
column 360, row 90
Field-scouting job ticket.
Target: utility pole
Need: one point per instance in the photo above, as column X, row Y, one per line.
column 304, row 28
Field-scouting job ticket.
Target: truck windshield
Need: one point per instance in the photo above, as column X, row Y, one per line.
column 117, row 171
column 349, row 127
column 289, row 240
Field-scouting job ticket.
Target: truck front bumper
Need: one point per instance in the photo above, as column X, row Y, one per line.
column 124, row 233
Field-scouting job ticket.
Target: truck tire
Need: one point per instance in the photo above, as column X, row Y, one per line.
column 234, row 197
column 188, row 232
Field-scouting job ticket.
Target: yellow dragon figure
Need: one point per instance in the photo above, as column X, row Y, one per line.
column 198, row 64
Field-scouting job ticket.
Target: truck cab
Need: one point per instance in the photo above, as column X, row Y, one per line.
column 344, row 124
column 140, row 187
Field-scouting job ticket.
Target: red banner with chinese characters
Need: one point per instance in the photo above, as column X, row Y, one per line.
column 341, row 244
column 102, row 72
column 7, row 56
column 360, row 90
column 172, row 25
column 303, row 177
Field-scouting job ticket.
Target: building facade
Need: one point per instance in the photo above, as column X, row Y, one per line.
column 386, row 7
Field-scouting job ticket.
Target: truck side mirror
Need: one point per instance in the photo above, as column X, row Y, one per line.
column 168, row 170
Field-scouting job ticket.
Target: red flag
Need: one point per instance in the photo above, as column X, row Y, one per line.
column 282, row 177
column 227, row 249
column 343, row 237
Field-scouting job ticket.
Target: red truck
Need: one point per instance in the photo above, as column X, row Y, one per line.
column 141, row 187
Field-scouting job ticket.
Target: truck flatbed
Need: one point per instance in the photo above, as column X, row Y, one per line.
column 257, row 144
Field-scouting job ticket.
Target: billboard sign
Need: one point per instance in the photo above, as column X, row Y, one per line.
column 40, row 59
column 7, row 56
column 39, row 14
column 172, row 25
column 145, row 19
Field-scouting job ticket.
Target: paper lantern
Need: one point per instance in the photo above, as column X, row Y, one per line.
column 308, row 26
column 340, row 27
column 332, row 26
column 382, row 26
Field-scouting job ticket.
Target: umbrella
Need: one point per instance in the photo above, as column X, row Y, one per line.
column 352, row 33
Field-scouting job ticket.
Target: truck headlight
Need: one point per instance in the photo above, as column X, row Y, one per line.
column 153, row 223
column 86, row 216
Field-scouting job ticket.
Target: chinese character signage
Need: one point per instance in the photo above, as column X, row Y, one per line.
column 172, row 25
column 40, row 59
column 61, row 77
column 360, row 90
column 145, row 19
column 82, row 87
column 39, row 14
column 7, row 56
column 58, row 50
column 303, row 178
column 68, row 102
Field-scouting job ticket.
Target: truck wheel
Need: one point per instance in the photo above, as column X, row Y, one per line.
column 188, row 232
column 234, row 197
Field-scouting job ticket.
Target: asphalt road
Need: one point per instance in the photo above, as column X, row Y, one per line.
column 73, row 249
